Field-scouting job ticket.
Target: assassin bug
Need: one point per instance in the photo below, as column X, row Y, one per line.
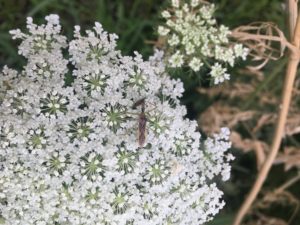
column 142, row 120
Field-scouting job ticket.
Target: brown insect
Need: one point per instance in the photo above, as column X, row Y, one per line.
column 142, row 120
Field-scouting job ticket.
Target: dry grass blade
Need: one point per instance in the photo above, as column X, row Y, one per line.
column 280, row 196
column 247, row 144
column 293, row 125
column 263, row 120
column 230, row 90
column 218, row 115
column 290, row 158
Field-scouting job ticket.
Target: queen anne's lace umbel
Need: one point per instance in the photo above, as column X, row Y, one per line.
column 70, row 154
column 193, row 39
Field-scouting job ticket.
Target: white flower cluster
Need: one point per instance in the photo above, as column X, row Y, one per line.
column 70, row 153
column 194, row 39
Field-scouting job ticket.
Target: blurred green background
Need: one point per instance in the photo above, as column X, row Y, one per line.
column 134, row 21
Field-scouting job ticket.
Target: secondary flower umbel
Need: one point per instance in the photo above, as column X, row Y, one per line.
column 193, row 39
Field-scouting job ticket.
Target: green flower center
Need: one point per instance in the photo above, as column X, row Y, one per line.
column 40, row 43
column 92, row 166
column 158, row 172
column 96, row 52
column 53, row 104
column 115, row 116
column 95, row 82
column 126, row 160
column 120, row 202
column 80, row 129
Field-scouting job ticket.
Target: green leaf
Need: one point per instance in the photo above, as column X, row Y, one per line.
column 2, row 220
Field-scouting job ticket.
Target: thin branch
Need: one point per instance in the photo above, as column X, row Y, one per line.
column 286, row 98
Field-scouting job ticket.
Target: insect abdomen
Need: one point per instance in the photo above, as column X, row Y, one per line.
column 142, row 129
